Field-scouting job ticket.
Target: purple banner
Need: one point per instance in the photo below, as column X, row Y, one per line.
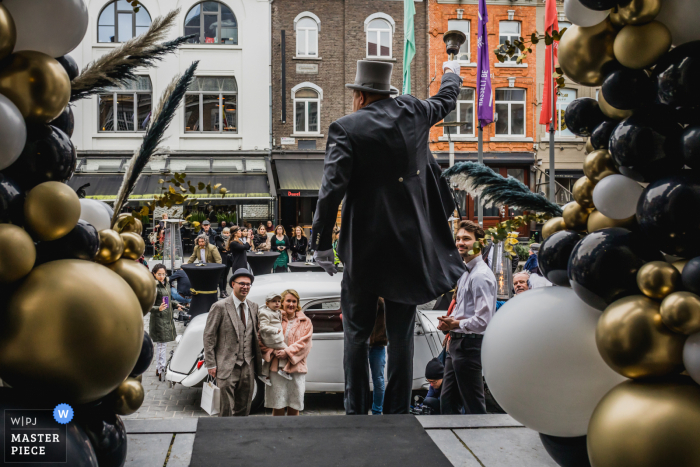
column 483, row 70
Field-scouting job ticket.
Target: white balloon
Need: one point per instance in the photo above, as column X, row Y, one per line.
column 109, row 209
column 54, row 27
column 616, row 196
column 542, row 364
column 691, row 356
column 583, row 16
column 13, row 132
column 682, row 18
column 92, row 212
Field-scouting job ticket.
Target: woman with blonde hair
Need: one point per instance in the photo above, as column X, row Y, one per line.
column 286, row 396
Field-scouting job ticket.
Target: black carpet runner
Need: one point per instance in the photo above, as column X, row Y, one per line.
column 310, row 441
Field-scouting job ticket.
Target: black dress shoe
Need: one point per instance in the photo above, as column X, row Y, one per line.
column 224, row 295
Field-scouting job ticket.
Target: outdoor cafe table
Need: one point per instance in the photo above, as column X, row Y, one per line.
column 203, row 278
column 261, row 263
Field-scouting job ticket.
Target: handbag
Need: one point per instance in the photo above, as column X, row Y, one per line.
column 211, row 397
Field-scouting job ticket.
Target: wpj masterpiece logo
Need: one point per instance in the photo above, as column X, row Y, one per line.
column 36, row 435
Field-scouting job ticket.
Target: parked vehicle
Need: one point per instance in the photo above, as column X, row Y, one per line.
column 320, row 300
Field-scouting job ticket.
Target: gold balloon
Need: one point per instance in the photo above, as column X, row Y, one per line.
column 616, row 19
column 17, row 253
column 8, row 33
column 583, row 192
column 598, row 165
column 134, row 246
column 639, row 47
column 576, row 216
column 589, row 146
column 111, row 247
column 73, row 329
column 647, row 424
column 37, row 84
column 139, row 378
column 552, row 226
column 128, row 223
column 658, row 279
column 128, row 397
column 634, row 341
column 51, row 210
column 680, row 264
column 597, row 221
column 584, row 53
column 680, row 311
column 610, row 111
column 139, row 279
column 639, row 11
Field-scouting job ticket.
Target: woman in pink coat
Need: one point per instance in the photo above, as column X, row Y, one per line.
column 287, row 395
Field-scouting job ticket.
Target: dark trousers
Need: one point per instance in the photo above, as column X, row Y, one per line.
column 222, row 279
column 359, row 308
column 463, row 383
column 433, row 403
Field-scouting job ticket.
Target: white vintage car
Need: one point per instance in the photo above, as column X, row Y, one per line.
column 320, row 299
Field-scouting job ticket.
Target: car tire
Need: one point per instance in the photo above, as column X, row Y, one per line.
column 258, row 396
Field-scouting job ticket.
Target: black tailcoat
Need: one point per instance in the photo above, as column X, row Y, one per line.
column 395, row 240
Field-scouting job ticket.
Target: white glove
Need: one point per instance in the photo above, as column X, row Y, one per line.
column 325, row 259
column 451, row 66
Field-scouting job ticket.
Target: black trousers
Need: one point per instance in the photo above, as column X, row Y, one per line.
column 463, row 383
column 359, row 308
column 222, row 279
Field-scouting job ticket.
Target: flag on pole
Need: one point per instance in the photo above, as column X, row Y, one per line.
column 483, row 70
column 409, row 43
column 549, row 99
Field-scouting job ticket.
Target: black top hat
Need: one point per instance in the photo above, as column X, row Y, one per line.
column 373, row 77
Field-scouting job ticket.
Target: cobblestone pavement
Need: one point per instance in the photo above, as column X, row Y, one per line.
column 180, row 402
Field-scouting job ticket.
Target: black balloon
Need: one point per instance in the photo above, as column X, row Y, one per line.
column 628, row 89
column 691, row 275
column 582, row 116
column 82, row 242
column 145, row 357
column 600, row 138
column 690, row 146
column 600, row 5
column 676, row 76
column 603, row 266
column 554, row 254
column 646, row 146
column 667, row 215
column 65, row 122
column 567, row 452
column 48, row 156
column 11, row 201
column 107, row 435
column 70, row 65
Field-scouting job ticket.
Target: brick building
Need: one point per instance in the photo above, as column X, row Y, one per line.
column 508, row 143
column 315, row 48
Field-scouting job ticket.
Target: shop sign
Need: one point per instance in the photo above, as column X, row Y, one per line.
column 286, row 141
column 292, row 193
column 307, row 68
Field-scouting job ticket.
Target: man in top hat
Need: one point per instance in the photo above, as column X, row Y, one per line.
column 231, row 350
column 377, row 158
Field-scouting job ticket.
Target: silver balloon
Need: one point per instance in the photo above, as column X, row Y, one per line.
column 682, row 18
column 94, row 213
column 691, row 356
column 616, row 196
column 583, row 16
column 13, row 132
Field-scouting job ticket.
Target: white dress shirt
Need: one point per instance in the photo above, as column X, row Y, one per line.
column 203, row 255
column 237, row 303
column 476, row 298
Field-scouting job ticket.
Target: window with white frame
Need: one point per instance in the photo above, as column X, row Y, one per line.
column 461, row 25
column 118, row 22
column 211, row 23
column 464, row 112
column 307, row 37
column 211, row 105
column 566, row 97
column 510, row 112
column 379, row 33
column 509, row 31
column 126, row 108
column 307, row 106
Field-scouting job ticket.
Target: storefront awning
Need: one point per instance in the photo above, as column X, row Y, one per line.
column 240, row 188
column 299, row 177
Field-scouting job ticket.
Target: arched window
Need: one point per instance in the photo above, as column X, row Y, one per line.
column 211, row 105
column 307, row 108
column 119, row 23
column 129, row 106
column 379, row 33
column 307, row 26
column 211, row 23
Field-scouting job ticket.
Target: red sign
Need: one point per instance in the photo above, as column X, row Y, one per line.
column 298, row 193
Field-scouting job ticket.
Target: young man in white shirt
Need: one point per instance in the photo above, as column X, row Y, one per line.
column 463, row 384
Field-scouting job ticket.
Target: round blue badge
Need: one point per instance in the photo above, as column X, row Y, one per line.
column 63, row 413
